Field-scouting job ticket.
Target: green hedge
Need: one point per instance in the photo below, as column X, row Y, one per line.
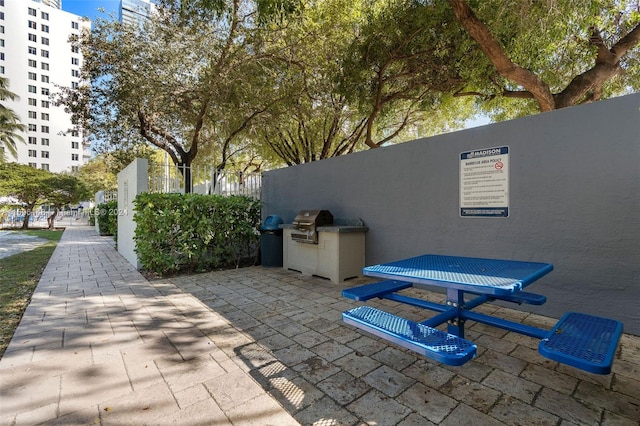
column 107, row 217
column 192, row 232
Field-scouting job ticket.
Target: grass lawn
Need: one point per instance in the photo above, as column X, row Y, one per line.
column 19, row 276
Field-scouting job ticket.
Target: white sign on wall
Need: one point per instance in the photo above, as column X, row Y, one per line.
column 484, row 182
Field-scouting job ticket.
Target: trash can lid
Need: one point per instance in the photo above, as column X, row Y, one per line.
column 271, row 223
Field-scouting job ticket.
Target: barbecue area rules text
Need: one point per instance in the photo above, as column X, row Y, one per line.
column 484, row 182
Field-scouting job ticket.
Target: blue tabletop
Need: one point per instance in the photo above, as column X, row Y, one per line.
column 488, row 276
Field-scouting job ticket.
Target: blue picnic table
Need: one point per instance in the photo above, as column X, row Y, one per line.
column 580, row 340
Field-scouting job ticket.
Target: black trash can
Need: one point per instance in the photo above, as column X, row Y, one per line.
column 271, row 241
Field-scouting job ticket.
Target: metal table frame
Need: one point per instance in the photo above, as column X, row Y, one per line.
column 581, row 340
column 485, row 279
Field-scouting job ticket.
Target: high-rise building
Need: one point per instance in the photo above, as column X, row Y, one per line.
column 135, row 12
column 53, row 3
column 36, row 57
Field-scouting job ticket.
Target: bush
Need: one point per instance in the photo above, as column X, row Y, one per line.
column 192, row 232
column 107, row 216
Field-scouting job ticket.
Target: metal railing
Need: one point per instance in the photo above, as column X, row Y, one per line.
column 110, row 195
column 13, row 217
column 204, row 179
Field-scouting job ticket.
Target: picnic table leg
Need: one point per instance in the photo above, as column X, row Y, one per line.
column 455, row 300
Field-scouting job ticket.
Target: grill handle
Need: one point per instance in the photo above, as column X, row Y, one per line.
column 304, row 223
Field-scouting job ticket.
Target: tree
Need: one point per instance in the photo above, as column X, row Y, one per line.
column 32, row 187
column 313, row 121
column 399, row 68
column 556, row 53
column 101, row 172
column 63, row 190
column 28, row 185
column 177, row 84
column 359, row 75
column 10, row 125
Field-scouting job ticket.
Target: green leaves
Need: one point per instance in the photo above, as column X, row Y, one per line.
column 192, row 232
column 107, row 217
column 66, row 190
column 10, row 126
column 33, row 186
column 297, row 81
column 27, row 184
column 557, row 52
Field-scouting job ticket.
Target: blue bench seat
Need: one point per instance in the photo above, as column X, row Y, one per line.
column 369, row 291
column 433, row 343
column 583, row 341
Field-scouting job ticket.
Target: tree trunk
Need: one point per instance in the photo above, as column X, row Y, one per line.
column 27, row 215
column 51, row 220
column 25, row 221
column 185, row 170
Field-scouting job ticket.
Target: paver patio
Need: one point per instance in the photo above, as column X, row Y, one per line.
column 99, row 344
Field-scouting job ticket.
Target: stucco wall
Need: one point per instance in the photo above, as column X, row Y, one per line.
column 131, row 181
column 574, row 202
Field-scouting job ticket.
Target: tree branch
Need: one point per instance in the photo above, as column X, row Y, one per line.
column 607, row 65
column 496, row 54
column 173, row 149
column 626, row 43
column 518, row 94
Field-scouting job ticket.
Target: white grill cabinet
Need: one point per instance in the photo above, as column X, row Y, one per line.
column 338, row 255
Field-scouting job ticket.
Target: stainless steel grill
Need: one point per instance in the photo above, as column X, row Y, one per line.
column 306, row 225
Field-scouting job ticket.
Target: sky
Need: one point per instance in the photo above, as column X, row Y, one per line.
column 89, row 8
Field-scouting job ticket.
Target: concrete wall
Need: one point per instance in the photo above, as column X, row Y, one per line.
column 574, row 202
column 131, row 181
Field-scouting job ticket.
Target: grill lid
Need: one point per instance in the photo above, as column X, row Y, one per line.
column 313, row 218
column 306, row 223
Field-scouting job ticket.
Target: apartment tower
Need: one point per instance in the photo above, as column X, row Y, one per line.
column 135, row 12
column 36, row 57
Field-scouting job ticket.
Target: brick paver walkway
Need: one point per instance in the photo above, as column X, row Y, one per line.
column 99, row 344
column 327, row 373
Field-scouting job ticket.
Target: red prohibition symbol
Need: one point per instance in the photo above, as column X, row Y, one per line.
column 499, row 165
